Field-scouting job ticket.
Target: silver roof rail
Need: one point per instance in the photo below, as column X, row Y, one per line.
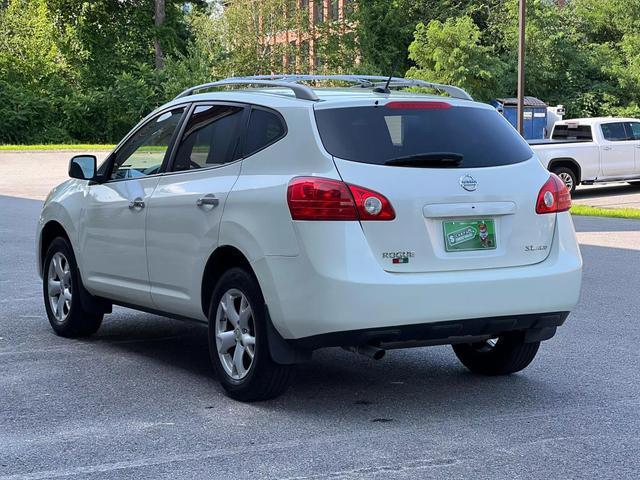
column 398, row 82
column 301, row 91
column 306, row 93
column 366, row 81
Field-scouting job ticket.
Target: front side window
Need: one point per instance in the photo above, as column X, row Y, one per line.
column 210, row 138
column 144, row 153
column 614, row 132
column 265, row 128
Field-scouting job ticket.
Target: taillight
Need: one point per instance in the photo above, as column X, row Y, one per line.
column 371, row 205
column 314, row 198
column 554, row 196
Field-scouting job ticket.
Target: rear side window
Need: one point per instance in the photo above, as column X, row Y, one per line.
column 210, row 138
column 634, row 128
column 377, row 134
column 572, row 132
column 614, row 132
column 265, row 127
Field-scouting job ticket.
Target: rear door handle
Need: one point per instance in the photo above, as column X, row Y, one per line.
column 208, row 199
column 137, row 203
column 606, row 148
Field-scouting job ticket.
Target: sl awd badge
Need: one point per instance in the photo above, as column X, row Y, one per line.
column 468, row 183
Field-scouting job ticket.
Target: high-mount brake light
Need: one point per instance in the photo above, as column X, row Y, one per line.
column 419, row 105
column 554, row 196
column 315, row 198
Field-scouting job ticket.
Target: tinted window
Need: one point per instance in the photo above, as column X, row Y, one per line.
column 572, row 132
column 377, row 134
column 210, row 137
column 264, row 129
column 614, row 132
column 634, row 129
column 144, row 152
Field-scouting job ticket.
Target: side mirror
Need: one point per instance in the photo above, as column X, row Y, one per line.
column 83, row 167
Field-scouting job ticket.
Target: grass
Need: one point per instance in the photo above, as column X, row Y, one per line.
column 82, row 146
column 633, row 213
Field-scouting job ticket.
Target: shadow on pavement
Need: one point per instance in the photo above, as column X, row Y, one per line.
column 605, row 191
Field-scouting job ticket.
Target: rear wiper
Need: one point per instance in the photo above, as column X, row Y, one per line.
column 434, row 159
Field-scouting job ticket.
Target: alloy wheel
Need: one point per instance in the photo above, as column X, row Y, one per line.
column 235, row 334
column 59, row 286
column 567, row 179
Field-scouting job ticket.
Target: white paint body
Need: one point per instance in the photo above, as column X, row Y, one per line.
column 599, row 160
column 327, row 276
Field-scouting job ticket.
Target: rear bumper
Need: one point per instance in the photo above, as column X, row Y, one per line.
column 336, row 286
column 536, row 327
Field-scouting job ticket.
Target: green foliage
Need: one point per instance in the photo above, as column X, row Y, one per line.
column 74, row 70
column 451, row 52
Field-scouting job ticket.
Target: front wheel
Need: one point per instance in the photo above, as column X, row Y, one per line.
column 61, row 289
column 238, row 343
column 497, row 356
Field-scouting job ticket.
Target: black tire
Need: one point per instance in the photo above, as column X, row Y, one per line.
column 509, row 355
column 264, row 379
column 75, row 320
column 562, row 171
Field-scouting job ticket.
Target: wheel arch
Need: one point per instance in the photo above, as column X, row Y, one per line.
column 569, row 163
column 51, row 230
column 221, row 259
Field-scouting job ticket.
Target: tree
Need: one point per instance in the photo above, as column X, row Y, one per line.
column 159, row 20
column 452, row 52
column 252, row 32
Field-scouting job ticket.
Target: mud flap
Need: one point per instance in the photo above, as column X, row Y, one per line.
column 281, row 351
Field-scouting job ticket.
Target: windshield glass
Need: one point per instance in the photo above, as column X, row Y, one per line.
column 377, row 134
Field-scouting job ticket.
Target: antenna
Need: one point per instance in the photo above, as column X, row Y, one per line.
column 385, row 89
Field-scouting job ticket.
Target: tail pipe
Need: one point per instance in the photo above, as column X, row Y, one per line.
column 368, row 351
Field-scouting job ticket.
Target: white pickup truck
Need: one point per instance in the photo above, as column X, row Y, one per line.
column 592, row 150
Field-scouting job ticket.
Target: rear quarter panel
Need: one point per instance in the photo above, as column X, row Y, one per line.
column 256, row 218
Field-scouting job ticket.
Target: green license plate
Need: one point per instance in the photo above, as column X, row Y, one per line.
column 468, row 235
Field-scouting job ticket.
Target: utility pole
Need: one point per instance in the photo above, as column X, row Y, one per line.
column 523, row 12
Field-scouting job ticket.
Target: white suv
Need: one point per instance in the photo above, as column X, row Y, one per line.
column 291, row 218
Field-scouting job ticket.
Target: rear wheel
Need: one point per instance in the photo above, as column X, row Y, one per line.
column 568, row 177
column 61, row 288
column 238, row 342
column 497, row 356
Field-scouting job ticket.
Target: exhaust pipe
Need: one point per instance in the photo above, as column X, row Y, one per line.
column 368, row 351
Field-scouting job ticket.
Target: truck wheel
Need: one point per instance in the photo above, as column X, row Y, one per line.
column 499, row 356
column 61, row 287
column 238, row 343
column 568, row 177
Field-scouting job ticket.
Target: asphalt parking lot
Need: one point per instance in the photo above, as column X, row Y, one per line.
column 139, row 399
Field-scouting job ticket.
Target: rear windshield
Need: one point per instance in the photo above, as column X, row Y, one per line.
column 377, row 134
column 572, row 132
